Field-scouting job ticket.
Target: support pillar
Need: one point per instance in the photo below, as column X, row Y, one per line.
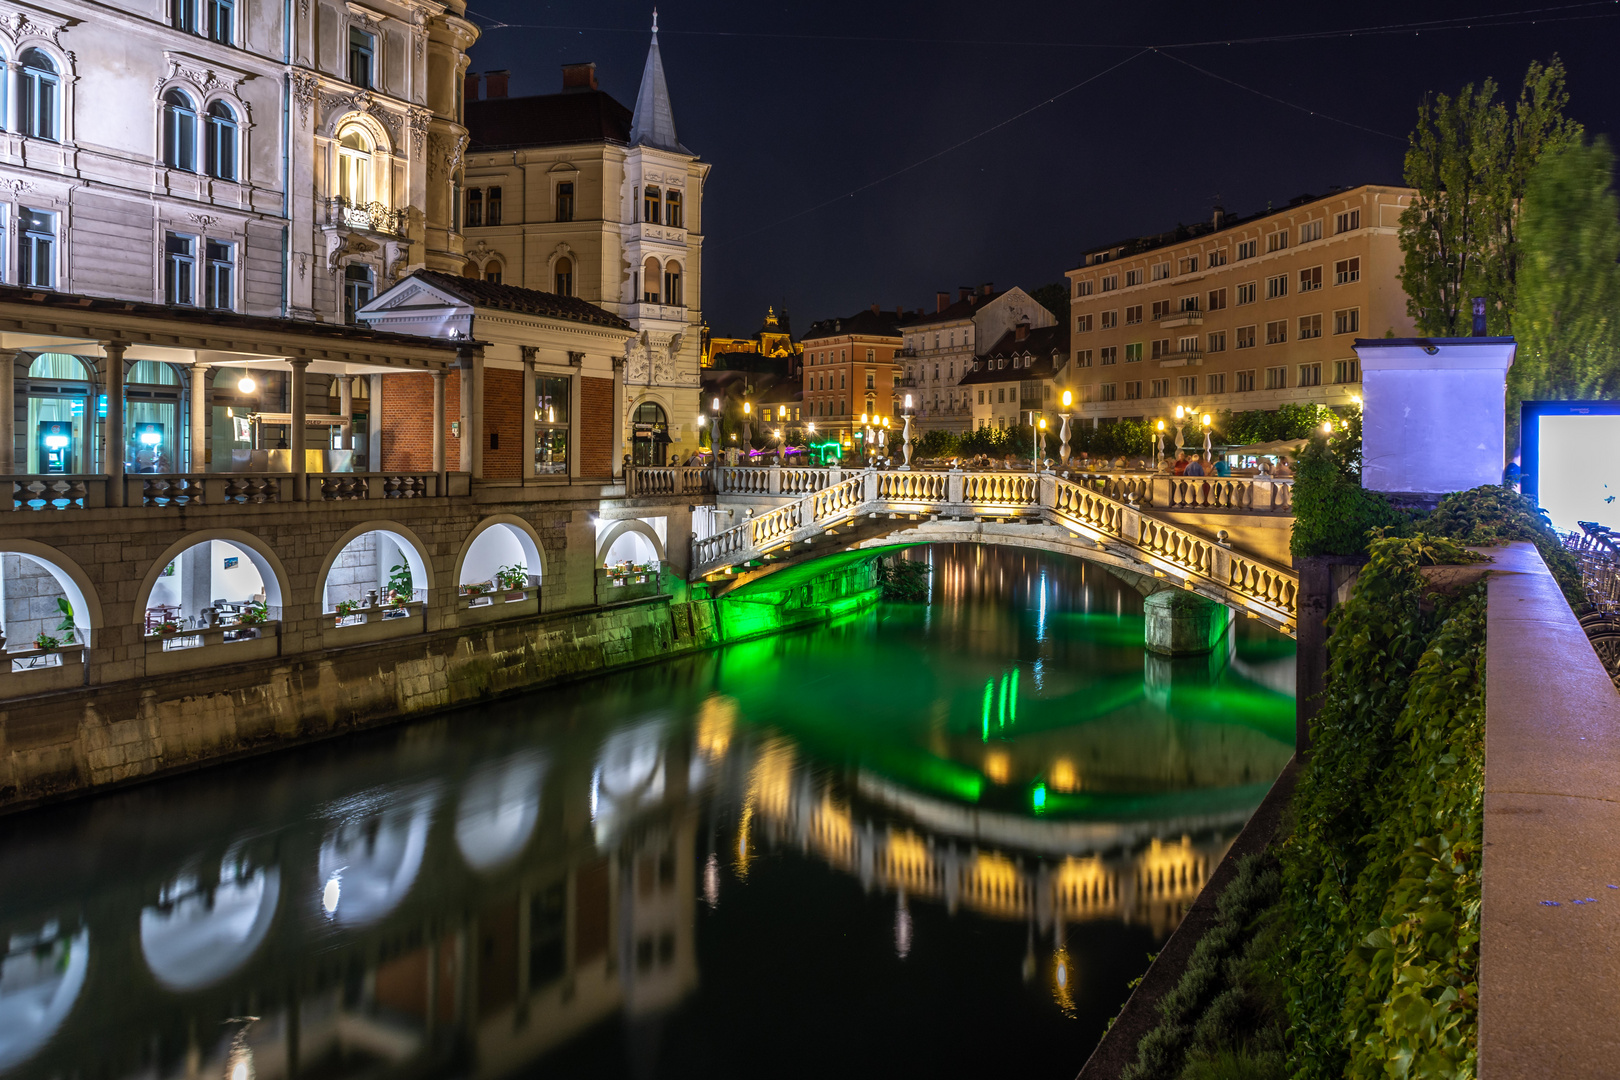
column 297, row 393
column 112, row 431
column 527, row 417
column 198, row 460
column 619, row 417
column 1321, row 580
column 374, row 425
column 346, row 407
column 8, row 416
column 439, row 377
column 472, row 412
column 1182, row 623
column 14, row 94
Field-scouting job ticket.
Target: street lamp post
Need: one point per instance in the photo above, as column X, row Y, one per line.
column 883, row 440
column 1159, row 457
column 905, row 436
column 748, row 431
column 714, row 442
column 1063, row 449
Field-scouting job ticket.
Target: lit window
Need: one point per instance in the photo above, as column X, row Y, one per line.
column 354, row 167
column 672, row 210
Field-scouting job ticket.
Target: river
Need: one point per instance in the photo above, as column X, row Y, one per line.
column 932, row 839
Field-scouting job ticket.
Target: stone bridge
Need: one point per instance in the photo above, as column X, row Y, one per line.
column 1223, row 538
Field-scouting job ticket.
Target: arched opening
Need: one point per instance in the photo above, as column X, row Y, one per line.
column 563, row 277
column 154, row 438
column 379, row 568
column 493, row 271
column 674, row 293
column 500, row 556
column 43, row 607
column 213, row 583
column 41, row 87
column 58, row 394
column 41, row 975
column 650, row 271
column 205, row 927
column 650, row 434
column 631, row 547
column 179, row 131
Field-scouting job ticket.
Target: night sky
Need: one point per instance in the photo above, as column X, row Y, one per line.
column 797, row 106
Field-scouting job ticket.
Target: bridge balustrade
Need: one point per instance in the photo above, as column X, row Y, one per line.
column 669, row 480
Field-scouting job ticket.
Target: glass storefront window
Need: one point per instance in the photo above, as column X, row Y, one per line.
column 56, row 443
column 151, row 436
column 649, row 434
column 551, row 397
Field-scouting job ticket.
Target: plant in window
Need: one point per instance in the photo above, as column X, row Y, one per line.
column 162, row 629
column 477, row 588
column 67, row 626
column 45, row 642
column 255, row 614
column 400, row 586
column 512, row 578
column 345, row 608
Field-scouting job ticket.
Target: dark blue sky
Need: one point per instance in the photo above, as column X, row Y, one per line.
column 798, row 105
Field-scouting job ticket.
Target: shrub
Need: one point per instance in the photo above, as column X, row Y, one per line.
column 935, row 444
column 1333, row 514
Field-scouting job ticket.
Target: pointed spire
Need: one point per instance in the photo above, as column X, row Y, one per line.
column 654, row 121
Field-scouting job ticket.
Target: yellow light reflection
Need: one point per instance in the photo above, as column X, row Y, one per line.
column 1063, row 776
column 997, row 766
column 717, row 719
column 1063, row 982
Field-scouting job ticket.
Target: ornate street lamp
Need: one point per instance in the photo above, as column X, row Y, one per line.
column 905, row 436
column 748, row 431
column 714, row 441
column 1063, row 449
column 1159, row 457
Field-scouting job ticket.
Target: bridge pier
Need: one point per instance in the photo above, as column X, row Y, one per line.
column 1182, row 623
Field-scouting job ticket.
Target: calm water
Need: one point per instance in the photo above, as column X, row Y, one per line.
column 931, row 840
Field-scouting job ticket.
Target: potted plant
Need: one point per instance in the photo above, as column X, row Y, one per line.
column 45, row 643
column 164, row 628
column 514, row 579
column 345, row 608
column 255, row 614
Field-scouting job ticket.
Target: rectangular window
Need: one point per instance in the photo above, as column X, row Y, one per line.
column 871, row 383
column 565, row 201
column 1001, row 395
column 1108, row 391
column 36, row 240
column 1311, row 230
column 179, row 269
column 1245, row 381
column 1277, row 287
column 1110, row 319
column 1133, row 277
column 1133, row 390
column 1161, row 348
column 672, row 210
column 1346, row 371
column 1189, row 265
column 1082, row 358
column 1245, row 293
column 1187, row 385
column 1276, row 378
column 1217, row 341
column 1161, row 309
column 1310, row 326
column 552, row 395
column 1083, row 288
column 492, row 207
column 1217, row 300
column 1160, row 388
column 1246, row 250
column 1277, row 241
column 1133, row 314
column 1187, row 303
column 1310, row 375
column 1110, row 283
column 219, row 289
column 1347, row 322
column 1350, row 219
column 1245, row 337
column 359, row 286
column 1310, row 279
column 1109, row 355
column 1347, row 270
column 1187, row 346
column 475, row 208
column 1276, row 332
column 871, row 355
column 1082, row 324
column 221, row 18
column 1161, row 271
column 362, row 57
column 1216, row 383
column 1216, row 258
column 1133, row 352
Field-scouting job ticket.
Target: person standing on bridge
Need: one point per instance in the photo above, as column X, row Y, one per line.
column 1180, row 466
column 1195, row 467
column 1221, row 467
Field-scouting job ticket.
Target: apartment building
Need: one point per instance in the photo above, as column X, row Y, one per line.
column 939, row 348
column 850, row 368
column 1016, row 376
column 1243, row 314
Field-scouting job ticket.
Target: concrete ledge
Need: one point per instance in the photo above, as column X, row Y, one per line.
column 1548, row 1005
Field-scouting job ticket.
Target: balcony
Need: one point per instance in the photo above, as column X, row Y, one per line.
column 1189, row 317
column 370, row 217
column 1181, row 358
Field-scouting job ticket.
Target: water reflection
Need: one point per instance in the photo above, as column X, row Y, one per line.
column 769, row 859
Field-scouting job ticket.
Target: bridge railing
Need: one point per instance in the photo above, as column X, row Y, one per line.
column 669, row 480
column 1087, row 503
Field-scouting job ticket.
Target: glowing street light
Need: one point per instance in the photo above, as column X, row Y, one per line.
column 246, row 384
column 1063, row 448
column 905, row 436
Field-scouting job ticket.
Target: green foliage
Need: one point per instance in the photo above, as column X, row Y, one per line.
column 1333, row 514
column 399, row 581
column 1567, row 318
column 1295, row 421
column 1470, row 160
column 512, row 577
column 935, row 444
column 1054, row 298
column 254, row 614
column 67, row 626
column 903, row 579
column 1490, row 515
column 1123, row 438
column 998, row 442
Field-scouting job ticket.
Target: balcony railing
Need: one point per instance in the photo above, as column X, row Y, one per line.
column 1181, row 358
column 371, row 217
column 1187, row 317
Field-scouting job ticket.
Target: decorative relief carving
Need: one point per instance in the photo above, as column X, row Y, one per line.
column 22, row 25
column 204, row 78
column 444, row 154
column 304, row 91
column 206, row 221
column 16, row 186
column 419, row 118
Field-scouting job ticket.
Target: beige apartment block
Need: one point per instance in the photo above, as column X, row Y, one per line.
column 1238, row 314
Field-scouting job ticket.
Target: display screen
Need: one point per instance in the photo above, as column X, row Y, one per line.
column 1577, row 469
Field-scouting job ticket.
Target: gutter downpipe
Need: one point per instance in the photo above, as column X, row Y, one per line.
column 286, row 155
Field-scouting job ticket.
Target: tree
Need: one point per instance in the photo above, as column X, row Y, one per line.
column 1470, row 160
column 935, row 443
column 1054, row 298
column 1568, row 312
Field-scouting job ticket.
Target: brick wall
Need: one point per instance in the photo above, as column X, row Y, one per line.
column 595, row 427
column 503, row 416
column 407, row 428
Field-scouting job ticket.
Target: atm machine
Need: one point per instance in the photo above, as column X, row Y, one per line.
column 55, row 446
column 149, row 447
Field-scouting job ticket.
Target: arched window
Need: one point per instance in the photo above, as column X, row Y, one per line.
column 470, row 270
column 492, row 271
column 221, row 142
column 649, row 205
column 41, row 95
column 179, row 131
column 565, row 277
column 649, row 281
column 354, row 167
column 672, row 210
column 672, row 283
column 650, row 428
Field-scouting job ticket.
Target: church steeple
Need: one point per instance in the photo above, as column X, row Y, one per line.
column 654, row 121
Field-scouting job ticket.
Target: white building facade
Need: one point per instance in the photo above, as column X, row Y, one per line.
column 938, row 350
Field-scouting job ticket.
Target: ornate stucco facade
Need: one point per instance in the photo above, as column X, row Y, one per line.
column 575, row 194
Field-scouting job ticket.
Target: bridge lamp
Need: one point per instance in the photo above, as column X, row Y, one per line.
column 1327, row 427
column 246, row 384
column 908, row 401
column 1206, row 419
column 1180, row 412
column 748, row 408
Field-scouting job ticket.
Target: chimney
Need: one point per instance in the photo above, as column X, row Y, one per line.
column 1218, row 219
column 1021, row 331
column 495, row 83
column 963, row 292
column 579, row 76
column 942, row 300
column 471, row 87
column 987, row 288
column 875, row 309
